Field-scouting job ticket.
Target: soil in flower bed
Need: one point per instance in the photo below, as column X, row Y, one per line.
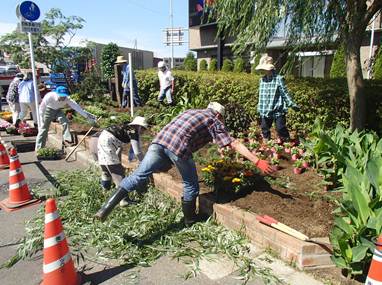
column 298, row 201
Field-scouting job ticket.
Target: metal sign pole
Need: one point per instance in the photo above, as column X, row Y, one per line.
column 36, row 91
column 131, row 86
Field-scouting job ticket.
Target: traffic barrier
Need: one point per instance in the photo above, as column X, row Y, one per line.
column 58, row 268
column 19, row 195
column 374, row 277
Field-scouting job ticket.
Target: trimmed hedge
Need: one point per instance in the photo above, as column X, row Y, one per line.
column 326, row 99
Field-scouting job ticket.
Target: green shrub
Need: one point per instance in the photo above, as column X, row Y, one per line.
column 190, row 63
column 92, row 88
column 338, row 68
column 227, row 65
column 213, row 65
column 326, row 99
column 203, row 65
column 108, row 57
column 238, row 65
column 377, row 68
column 237, row 120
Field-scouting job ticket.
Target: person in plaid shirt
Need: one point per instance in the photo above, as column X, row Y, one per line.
column 174, row 145
column 274, row 100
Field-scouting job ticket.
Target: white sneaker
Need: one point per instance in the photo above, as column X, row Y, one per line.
column 124, row 202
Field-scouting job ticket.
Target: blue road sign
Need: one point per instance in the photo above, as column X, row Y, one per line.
column 29, row 10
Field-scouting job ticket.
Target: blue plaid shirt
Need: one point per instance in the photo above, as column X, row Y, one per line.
column 192, row 130
column 274, row 99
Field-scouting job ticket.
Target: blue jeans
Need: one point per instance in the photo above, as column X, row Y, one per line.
column 281, row 128
column 157, row 159
column 165, row 93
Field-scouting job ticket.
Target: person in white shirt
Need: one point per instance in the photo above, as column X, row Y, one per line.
column 27, row 98
column 51, row 109
column 166, row 81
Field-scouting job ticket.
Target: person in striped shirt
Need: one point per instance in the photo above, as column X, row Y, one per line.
column 174, row 145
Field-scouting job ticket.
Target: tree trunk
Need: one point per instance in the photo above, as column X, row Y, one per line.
column 355, row 83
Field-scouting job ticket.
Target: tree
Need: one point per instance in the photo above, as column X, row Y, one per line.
column 203, row 65
column 377, row 68
column 307, row 23
column 109, row 55
column 51, row 46
column 213, row 65
column 338, row 68
column 238, row 65
column 190, row 62
column 227, row 65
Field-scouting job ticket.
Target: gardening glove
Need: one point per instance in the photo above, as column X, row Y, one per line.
column 264, row 166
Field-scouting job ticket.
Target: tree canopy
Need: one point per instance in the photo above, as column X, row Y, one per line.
column 109, row 55
column 51, row 46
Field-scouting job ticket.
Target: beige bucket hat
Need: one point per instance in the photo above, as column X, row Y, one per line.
column 265, row 63
column 139, row 121
column 121, row 59
column 217, row 107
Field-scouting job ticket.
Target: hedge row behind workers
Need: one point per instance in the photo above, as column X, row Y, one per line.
column 51, row 109
column 174, row 145
column 109, row 150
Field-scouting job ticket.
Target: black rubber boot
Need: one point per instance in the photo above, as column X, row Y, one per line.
column 189, row 212
column 106, row 209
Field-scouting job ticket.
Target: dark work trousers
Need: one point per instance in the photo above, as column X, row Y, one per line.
column 282, row 131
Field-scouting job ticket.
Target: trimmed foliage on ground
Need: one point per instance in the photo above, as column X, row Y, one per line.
column 325, row 99
column 139, row 234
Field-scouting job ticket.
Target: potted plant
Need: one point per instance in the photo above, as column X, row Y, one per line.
column 305, row 164
column 4, row 125
column 48, row 153
column 301, row 151
column 297, row 167
column 254, row 146
column 295, row 154
column 11, row 130
column 277, row 149
column 275, row 163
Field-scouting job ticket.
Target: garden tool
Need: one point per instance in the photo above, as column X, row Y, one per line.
column 74, row 149
column 267, row 220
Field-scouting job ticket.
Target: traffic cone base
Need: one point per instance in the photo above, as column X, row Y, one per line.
column 8, row 206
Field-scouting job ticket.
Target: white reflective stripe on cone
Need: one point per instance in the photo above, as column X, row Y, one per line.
column 3, row 152
column 50, row 267
column 15, row 186
column 14, row 172
column 370, row 281
column 51, row 217
column 54, row 240
column 377, row 255
column 14, row 158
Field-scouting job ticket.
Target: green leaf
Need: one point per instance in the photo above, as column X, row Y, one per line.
column 359, row 253
column 374, row 172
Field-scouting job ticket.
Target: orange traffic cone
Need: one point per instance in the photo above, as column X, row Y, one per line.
column 19, row 195
column 374, row 277
column 58, row 264
column 4, row 158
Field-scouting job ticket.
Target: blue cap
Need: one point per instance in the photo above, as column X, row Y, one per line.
column 62, row 91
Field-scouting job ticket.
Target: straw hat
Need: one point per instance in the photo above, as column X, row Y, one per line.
column 217, row 107
column 139, row 121
column 266, row 63
column 121, row 59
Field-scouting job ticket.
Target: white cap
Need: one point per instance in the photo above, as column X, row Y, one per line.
column 139, row 121
column 161, row 64
column 217, row 107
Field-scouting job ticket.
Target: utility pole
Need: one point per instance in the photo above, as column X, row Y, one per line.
column 172, row 38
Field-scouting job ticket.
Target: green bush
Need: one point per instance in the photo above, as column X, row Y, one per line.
column 203, row 65
column 377, row 68
column 338, row 68
column 91, row 87
column 227, row 65
column 326, row 99
column 237, row 120
column 238, row 65
column 108, row 57
column 213, row 65
column 190, row 63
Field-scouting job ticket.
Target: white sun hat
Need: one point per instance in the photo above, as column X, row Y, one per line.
column 217, row 107
column 265, row 63
column 139, row 121
column 120, row 59
column 161, row 64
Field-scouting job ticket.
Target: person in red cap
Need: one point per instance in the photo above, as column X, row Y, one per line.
column 174, row 145
column 51, row 109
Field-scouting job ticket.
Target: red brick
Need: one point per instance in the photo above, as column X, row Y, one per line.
column 320, row 260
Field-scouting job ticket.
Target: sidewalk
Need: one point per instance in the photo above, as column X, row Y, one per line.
column 165, row 271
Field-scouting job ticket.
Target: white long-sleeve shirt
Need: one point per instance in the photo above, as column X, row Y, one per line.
column 51, row 101
column 26, row 91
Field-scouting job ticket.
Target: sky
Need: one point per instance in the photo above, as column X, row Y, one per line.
column 116, row 21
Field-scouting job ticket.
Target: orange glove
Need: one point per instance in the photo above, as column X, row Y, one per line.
column 264, row 166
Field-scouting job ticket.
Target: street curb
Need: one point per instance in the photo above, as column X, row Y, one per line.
column 303, row 255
